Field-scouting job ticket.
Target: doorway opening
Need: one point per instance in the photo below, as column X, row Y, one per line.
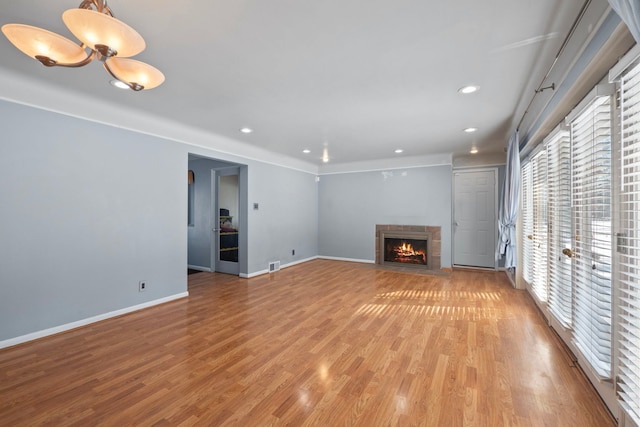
column 217, row 216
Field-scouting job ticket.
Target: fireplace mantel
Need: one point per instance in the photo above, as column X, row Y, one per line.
column 432, row 231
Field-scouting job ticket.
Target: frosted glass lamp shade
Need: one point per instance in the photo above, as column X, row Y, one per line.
column 110, row 40
column 93, row 28
column 34, row 41
column 135, row 72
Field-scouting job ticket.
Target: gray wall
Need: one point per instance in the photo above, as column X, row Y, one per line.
column 86, row 212
column 286, row 218
column 351, row 204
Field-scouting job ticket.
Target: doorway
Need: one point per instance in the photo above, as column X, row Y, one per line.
column 475, row 212
column 217, row 216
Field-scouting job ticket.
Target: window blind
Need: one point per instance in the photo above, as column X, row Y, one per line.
column 527, row 223
column 539, row 178
column 559, row 208
column 591, row 206
column 628, row 246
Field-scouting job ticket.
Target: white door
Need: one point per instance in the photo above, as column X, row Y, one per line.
column 474, row 224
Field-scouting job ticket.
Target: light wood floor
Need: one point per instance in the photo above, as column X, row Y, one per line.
column 324, row 343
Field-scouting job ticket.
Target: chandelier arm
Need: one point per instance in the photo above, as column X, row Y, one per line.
column 48, row 62
column 98, row 5
column 132, row 85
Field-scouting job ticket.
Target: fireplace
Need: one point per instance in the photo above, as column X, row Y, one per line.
column 410, row 246
column 405, row 248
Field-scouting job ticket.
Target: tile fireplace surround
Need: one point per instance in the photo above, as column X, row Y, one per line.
column 435, row 242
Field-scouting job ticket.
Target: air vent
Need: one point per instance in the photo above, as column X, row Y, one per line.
column 274, row 266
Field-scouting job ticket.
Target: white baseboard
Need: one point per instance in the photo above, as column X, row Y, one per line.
column 333, row 258
column 199, row 268
column 261, row 272
column 254, row 274
column 73, row 325
column 300, row 261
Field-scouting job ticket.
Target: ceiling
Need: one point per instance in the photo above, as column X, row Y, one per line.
column 359, row 77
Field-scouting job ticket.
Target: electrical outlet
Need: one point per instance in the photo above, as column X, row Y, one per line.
column 293, row 251
column 142, row 286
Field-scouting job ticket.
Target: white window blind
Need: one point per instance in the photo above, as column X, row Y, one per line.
column 539, row 178
column 527, row 223
column 591, row 205
column 559, row 208
column 628, row 246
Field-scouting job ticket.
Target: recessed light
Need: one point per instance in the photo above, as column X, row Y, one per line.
column 306, row 151
column 398, row 151
column 119, row 84
column 469, row 89
column 246, row 130
column 469, row 130
column 473, row 150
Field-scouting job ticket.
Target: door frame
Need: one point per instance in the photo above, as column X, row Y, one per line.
column 217, row 165
column 215, row 221
column 495, row 171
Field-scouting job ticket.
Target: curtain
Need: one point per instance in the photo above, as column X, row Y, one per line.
column 629, row 11
column 508, row 207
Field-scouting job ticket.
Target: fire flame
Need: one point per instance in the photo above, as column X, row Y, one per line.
column 407, row 250
column 407, row 253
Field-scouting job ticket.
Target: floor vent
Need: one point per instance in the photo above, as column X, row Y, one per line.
column 274, row 266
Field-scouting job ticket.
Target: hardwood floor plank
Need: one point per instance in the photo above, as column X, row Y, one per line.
column 321, row 343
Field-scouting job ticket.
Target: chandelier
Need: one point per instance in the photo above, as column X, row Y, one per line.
column 102, row 37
